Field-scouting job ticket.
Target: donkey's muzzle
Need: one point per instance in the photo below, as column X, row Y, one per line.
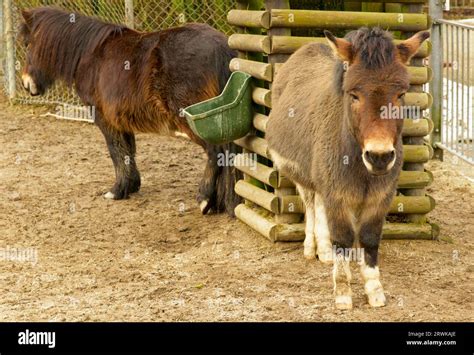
column 379, row 163
column 29, row 84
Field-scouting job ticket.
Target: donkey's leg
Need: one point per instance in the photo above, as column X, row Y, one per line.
column 321, row 231
column 122, row 151
column 309, row 241
column 370, row 234
column 206, row 197
column 342, row 236
column 342, row 277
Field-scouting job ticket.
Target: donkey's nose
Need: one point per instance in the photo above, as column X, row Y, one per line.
column 29, row 84
column 379, row 163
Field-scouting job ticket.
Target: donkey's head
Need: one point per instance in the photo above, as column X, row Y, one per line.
column 375, row 80
column 35, row 76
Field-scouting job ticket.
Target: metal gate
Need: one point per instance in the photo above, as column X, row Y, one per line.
column 457, row 127
column 452, row 86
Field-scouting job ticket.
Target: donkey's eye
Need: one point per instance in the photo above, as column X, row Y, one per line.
column 354, row 97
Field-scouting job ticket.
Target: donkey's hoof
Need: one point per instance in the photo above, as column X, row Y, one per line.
column 204, row 206
column 309, row 253
column 124, row 186
column 374, row 291
column 377, row 299
column 343, row 302
column 325, row 256
column 109, row 195
column 325, row 253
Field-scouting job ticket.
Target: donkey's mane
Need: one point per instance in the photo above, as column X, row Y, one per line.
column 374, row 47
column 62, row 38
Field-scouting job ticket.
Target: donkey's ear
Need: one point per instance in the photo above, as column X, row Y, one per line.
column 341, row 47
column 409, row 47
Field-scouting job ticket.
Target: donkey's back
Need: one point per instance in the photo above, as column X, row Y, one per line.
column 309, row 62
column 305, row 107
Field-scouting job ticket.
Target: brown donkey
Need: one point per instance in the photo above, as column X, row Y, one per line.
column 136, row 82
column 326, row 133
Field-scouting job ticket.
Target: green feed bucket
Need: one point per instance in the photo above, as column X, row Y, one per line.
column 226, row 117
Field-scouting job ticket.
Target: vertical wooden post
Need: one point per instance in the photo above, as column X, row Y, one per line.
column 278, row 4
column 352, row 6
column 10, row 48
column 372, row 6
column 241, row 5
column 250, row 5
column 2, row 38
column 436, row 85
column 129, row 15
column 415, row 218
column 396, row 8
column 281, row 58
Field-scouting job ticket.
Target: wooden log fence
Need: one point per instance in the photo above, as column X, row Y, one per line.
column 289, row 44
column 262, row 221
column 348, row 20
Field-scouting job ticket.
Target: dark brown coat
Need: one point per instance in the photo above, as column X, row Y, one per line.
column 137, row 82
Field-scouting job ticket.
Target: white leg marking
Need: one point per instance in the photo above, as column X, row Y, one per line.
column 181, row 134
column 373, row 288
column 109, row 195
column 342, row 282
column 309, row 242
column 321, row 230
column 203, row 205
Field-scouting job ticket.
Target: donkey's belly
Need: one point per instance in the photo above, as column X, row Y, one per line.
column 152, row 119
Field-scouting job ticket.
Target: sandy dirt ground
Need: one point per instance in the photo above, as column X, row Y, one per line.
column 155, row 258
